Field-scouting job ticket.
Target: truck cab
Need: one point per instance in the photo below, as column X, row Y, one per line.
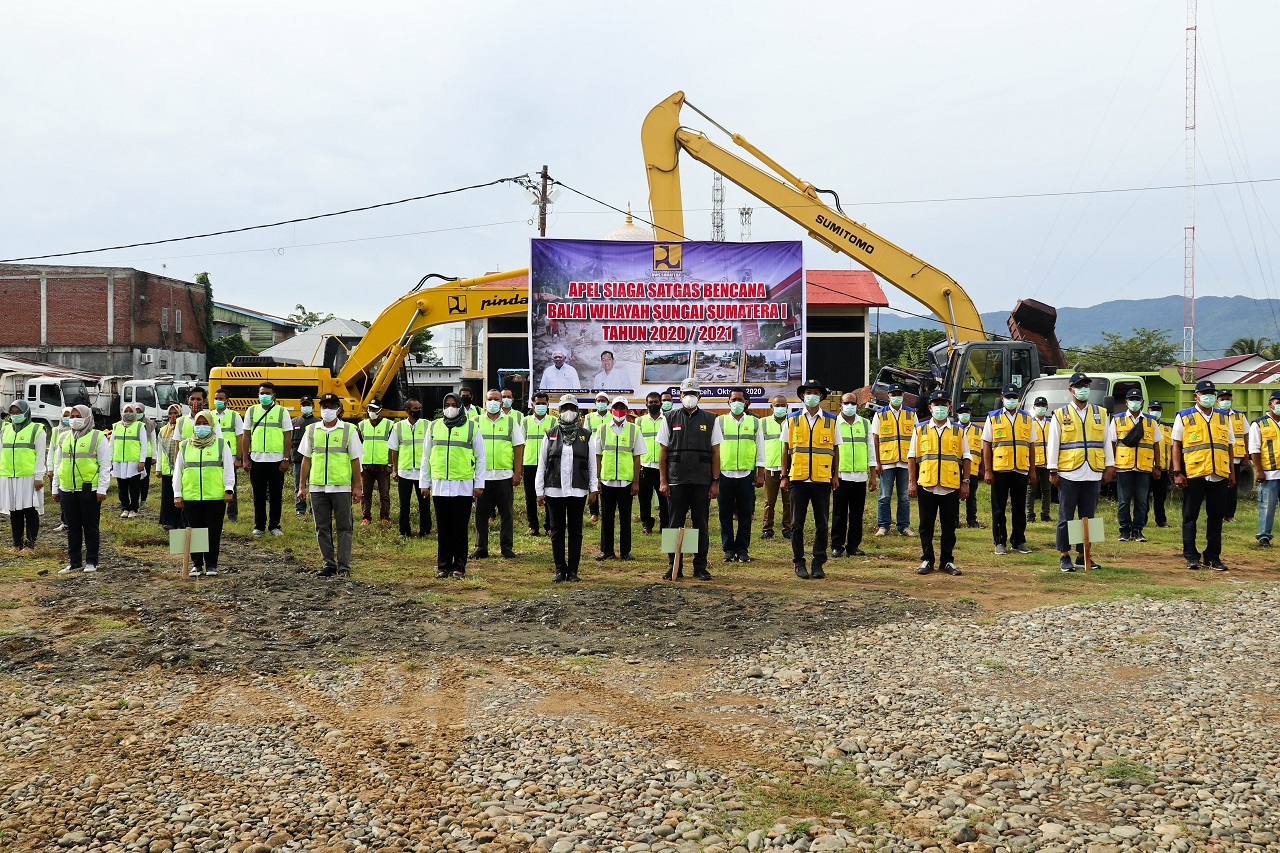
column 1107, row 390
column 49, row 395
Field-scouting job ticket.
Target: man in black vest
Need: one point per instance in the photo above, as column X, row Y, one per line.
column 566, row 478
column 689, row 466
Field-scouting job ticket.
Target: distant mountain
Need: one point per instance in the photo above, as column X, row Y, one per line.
column 1219, row 321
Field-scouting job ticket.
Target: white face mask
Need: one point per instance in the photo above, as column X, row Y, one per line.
column 568, row 416
column 493, row 406
column 618, row 419
column 1207, row 400
column 328, row 415
column 506, row 402
column 689, row 401
column 811, row 400
column 1135, row 406
column 77, row 424
column 1275, row 408
column 451, row 411
column 737, row 407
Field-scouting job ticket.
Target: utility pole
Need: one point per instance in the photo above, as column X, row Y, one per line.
column 542, row 204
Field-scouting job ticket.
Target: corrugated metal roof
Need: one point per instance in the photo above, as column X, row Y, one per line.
column 270, row 318
column 308, row 347
column 854, row 288
column 1265, row 374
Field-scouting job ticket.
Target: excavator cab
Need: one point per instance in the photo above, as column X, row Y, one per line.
column 978, row 371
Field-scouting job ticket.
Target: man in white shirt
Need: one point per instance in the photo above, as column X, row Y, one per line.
column 1204, row 469
column 1080, row 461
column 650, row 423
column 613, row 376
column 331, row 498
column 559, row 375
column 1264, row 451
column 503, row 446
column 939, row 465
column 618, row 447
column 811, row 464
column 891, row 428
column 741, row 439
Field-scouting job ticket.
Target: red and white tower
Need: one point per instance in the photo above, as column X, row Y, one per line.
column 1189, row 208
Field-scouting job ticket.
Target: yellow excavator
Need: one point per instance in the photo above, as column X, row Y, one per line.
column 968, row 365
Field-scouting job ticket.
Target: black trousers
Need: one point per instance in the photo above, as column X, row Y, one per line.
column 145, row 485
column 737, row 498
column 1042, row 491
column 803, row 494
column 83, row 514
column 615, row 501
column 26, row 526
column 1213, row 496
column 169, row 515
column 499, row 494
column 1159, row 496
column 408, row 493
column 650, row 480
column 530, row 479
column 565, row 516
column 971, row 502
column 453, row 524
column 694, row 501
column 1008, row 491
column 130, row 492
column 934, row 508
column 209, row 514
column 849, row 501
column 1076, row 498
column 1233, row 494
column 268, row 485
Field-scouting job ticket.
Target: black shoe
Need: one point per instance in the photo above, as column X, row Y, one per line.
column 951, row 568
column 479, row 555
column 837, row 552
column 457, row 574
column 1137, row 537
column 1265, row 542
column 1093, row 564
column 573, row 577
column 858, row 552
column 766, row 534
column 1031, row 519
column 509, row 555
column 1065, row 564
column 1045, row 518
column 817, row 573
column 976, row 524
column 560, row 577
column 234, row 519
column 627, row 558
column 1162, row 524
column 600, row 558
column 1123, row 537
column 744, row 557
column 730, row 557
column 802, row 572
column 1193, row 565
column 1217, row 566
column 702, row 574
column 648, row 530
column 667, row 576
column 925, row 568
column 328, row 571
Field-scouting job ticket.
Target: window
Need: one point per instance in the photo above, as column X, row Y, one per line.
column 177, row 323
column 982, row 379
column 51, row 395
column 164, row 319
column 146, row 395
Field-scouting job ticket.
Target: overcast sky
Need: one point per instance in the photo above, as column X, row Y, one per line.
column 127, row 122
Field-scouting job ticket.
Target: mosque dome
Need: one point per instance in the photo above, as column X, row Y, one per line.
column 630, row 231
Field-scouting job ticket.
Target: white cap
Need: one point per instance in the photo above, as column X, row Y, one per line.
column 602, row 394
column 622, row 400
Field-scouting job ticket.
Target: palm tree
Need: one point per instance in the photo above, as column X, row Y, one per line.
column 1251, row 346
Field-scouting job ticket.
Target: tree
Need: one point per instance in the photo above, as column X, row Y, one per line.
column 906, row 348
column 221, row 351
column 1144, row 349
column 1251, row 346
column 303, row 317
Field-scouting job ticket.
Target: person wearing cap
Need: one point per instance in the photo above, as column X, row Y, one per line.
column 1134, row 438
column 503, row 445
column 404, row 449
column 891, row 432
column 453, row 466
column 1080, row 461
column 741, row 473
column 1202, row 467
column 1239, row 451
column 593, row 420
column 773, row 473
column 850, row 498
column 618, row 447
column 129, row 448
column 1008, row 466
column 330, row 476
column 535, row 428
column 204, row 470
column 566, row 477
column 940, row 464
column 649, row 423
column 689, row 467
column 306, row 417
column 230, row 425
column 265, row 448
column 375, row 465
column 1164, row 456
column 1264, row 452
column 810, row 444
column 559, row 375
column 1039, row 487
column 972, row 438
column 22, row 471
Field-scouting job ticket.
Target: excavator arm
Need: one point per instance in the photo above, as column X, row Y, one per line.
column 663, row 138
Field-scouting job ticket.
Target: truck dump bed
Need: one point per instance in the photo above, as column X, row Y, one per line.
column 1036, row 323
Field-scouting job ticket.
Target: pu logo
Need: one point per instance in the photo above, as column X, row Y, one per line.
column 667, row 256
column 457, row 304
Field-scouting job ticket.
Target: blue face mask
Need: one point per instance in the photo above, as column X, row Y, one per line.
column 66, row 421
column 202, row 430
column 540, row 410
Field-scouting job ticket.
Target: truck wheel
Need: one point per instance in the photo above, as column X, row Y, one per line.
column 1244, row 480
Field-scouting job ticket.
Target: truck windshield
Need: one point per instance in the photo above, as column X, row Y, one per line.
column 166, row 395
column 74, row 393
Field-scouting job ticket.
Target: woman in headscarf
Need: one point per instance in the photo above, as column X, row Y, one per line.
column 166, row 452
column 128, row 452
column 207, row 480
column 22, row 470
column 80, row 485
column 51, row 462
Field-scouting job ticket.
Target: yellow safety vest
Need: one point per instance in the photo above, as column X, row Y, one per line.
column 126, row 442
column 330, row 455
column 452, row 455
column 499, row 451
column 1270, row 446
column 202, row 471
column 1206, row 447
column 973, row 437
column 894, row 437
column 18, row 450
column 772, row 442
column 939, row 456
column 649, row 429
column 1140, row 458
column 812, row 450
column 373, row 439
column 1239, row 446
column 853, row 453
column 1081, row 440
column 1166, row 445
column 409, row 440
column 738, row 443
column 616, row 459
column 78, row 461
column 267, row 428
column 1040, row 438
column 535, row 432
column 1011, row 440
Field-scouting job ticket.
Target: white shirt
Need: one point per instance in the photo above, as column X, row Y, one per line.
column 1153, row 424
column 658, row 420
column 638, row 448
column 664, row 434
column 717, row 437
column 617, row 378
column 785, row 435
column 964, row 453
column 104, row 468
column 1085, row 473
column 288, row 435
column 355, row 449
column 1178, row 430
column 393, row 443
column 228, row 472
column 873, row 444
column 125, row 470
column 517, row 442
column 1255, row 446
column 560, row 378
column 566, row 475
column 854, row 476
column 453, row 488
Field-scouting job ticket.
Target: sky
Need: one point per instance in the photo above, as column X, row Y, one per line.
column 130, row 122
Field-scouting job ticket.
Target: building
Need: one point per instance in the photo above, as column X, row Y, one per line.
column 837, row 344
column 259, row 330
column 104, row 320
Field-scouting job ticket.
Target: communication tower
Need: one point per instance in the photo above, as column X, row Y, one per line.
column 1189, row 207
column 717, row 208
column 744, row 214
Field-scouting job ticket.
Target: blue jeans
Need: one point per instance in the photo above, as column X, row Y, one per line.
column 1268, row 491
column 884, row 518
column 1132, row 486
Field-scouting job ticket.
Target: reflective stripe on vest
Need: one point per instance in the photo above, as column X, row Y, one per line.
column 78, row 462
column 202, row 472
column 939, row 456
column 1142, row 457
column 1166, row 446
column 973, row 437
column 330, row 458
column 853, row 452
column 738, row 448
column 226, row 420
column 617, row 452
column 266, row 428
column 1269, row 433
column 499, row 451
column 126, row 442
column 534, row 432
column 894, row 436
column 812, row 450
column 411, row 439
column 1011, row 441
column 1081, row 440
column 772, row 442
column 649, row 429
column 1238, row 423
column 374, row 436
column 1040, row 438
column 18, row 450
column 453, row 456
column 1206, row 447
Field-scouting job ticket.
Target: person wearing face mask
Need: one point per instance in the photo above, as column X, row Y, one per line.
column 593, row 420
column 741, row 472
column 1134, row 438
column 891, row 431
column 206, row 477
column 22, row 473
column 650, row 481
column 940, row 464
column 1039, row 487
column 265, row 448
column 618, row 447
column 509, row 406
column 331, row 451
column 195, row 400
column 469, row 410
column 166, row 456
column 810, row 449
column 566, row 477
column 1203, row 442
column 228, row 424
column 773, row 475
column 973, row 438
column 375, row 464
column 689, row 468
column 503, row 445
column 850, row 497
column 453, row 469
column 405, row 449
column 51, row 462
column 1008, row 465
column 144, row 481
column 560, row 375
column 1080, row 462
column 128, row 450
column 1164, row 456
column 1239, row 452
column 535, row 429
column 1264, row 452
column 80, row 485
column 306, row 418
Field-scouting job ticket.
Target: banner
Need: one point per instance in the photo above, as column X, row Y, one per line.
column 628, row 317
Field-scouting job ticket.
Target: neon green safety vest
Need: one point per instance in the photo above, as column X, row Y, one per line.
column 330, row 455
column 18, row 450
column 202, row 471
column 516, row 415
column 499, row 452
column 266, row 428
column 226, row 421
column 374, row 436
column 649, row 429
column 534, row 432
column 166, row 466
column 772, row 442
column 738, row 443
column 78, row 462
column 126, row 442
column 595, row 419
column 853, row 455
column 409, row 441
column 452, row 455
column 616, row 452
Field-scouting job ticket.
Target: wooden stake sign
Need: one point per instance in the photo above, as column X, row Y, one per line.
column 187, row 541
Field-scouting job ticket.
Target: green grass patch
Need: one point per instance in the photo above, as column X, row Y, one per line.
column 800, row 797
column 1126, row 770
